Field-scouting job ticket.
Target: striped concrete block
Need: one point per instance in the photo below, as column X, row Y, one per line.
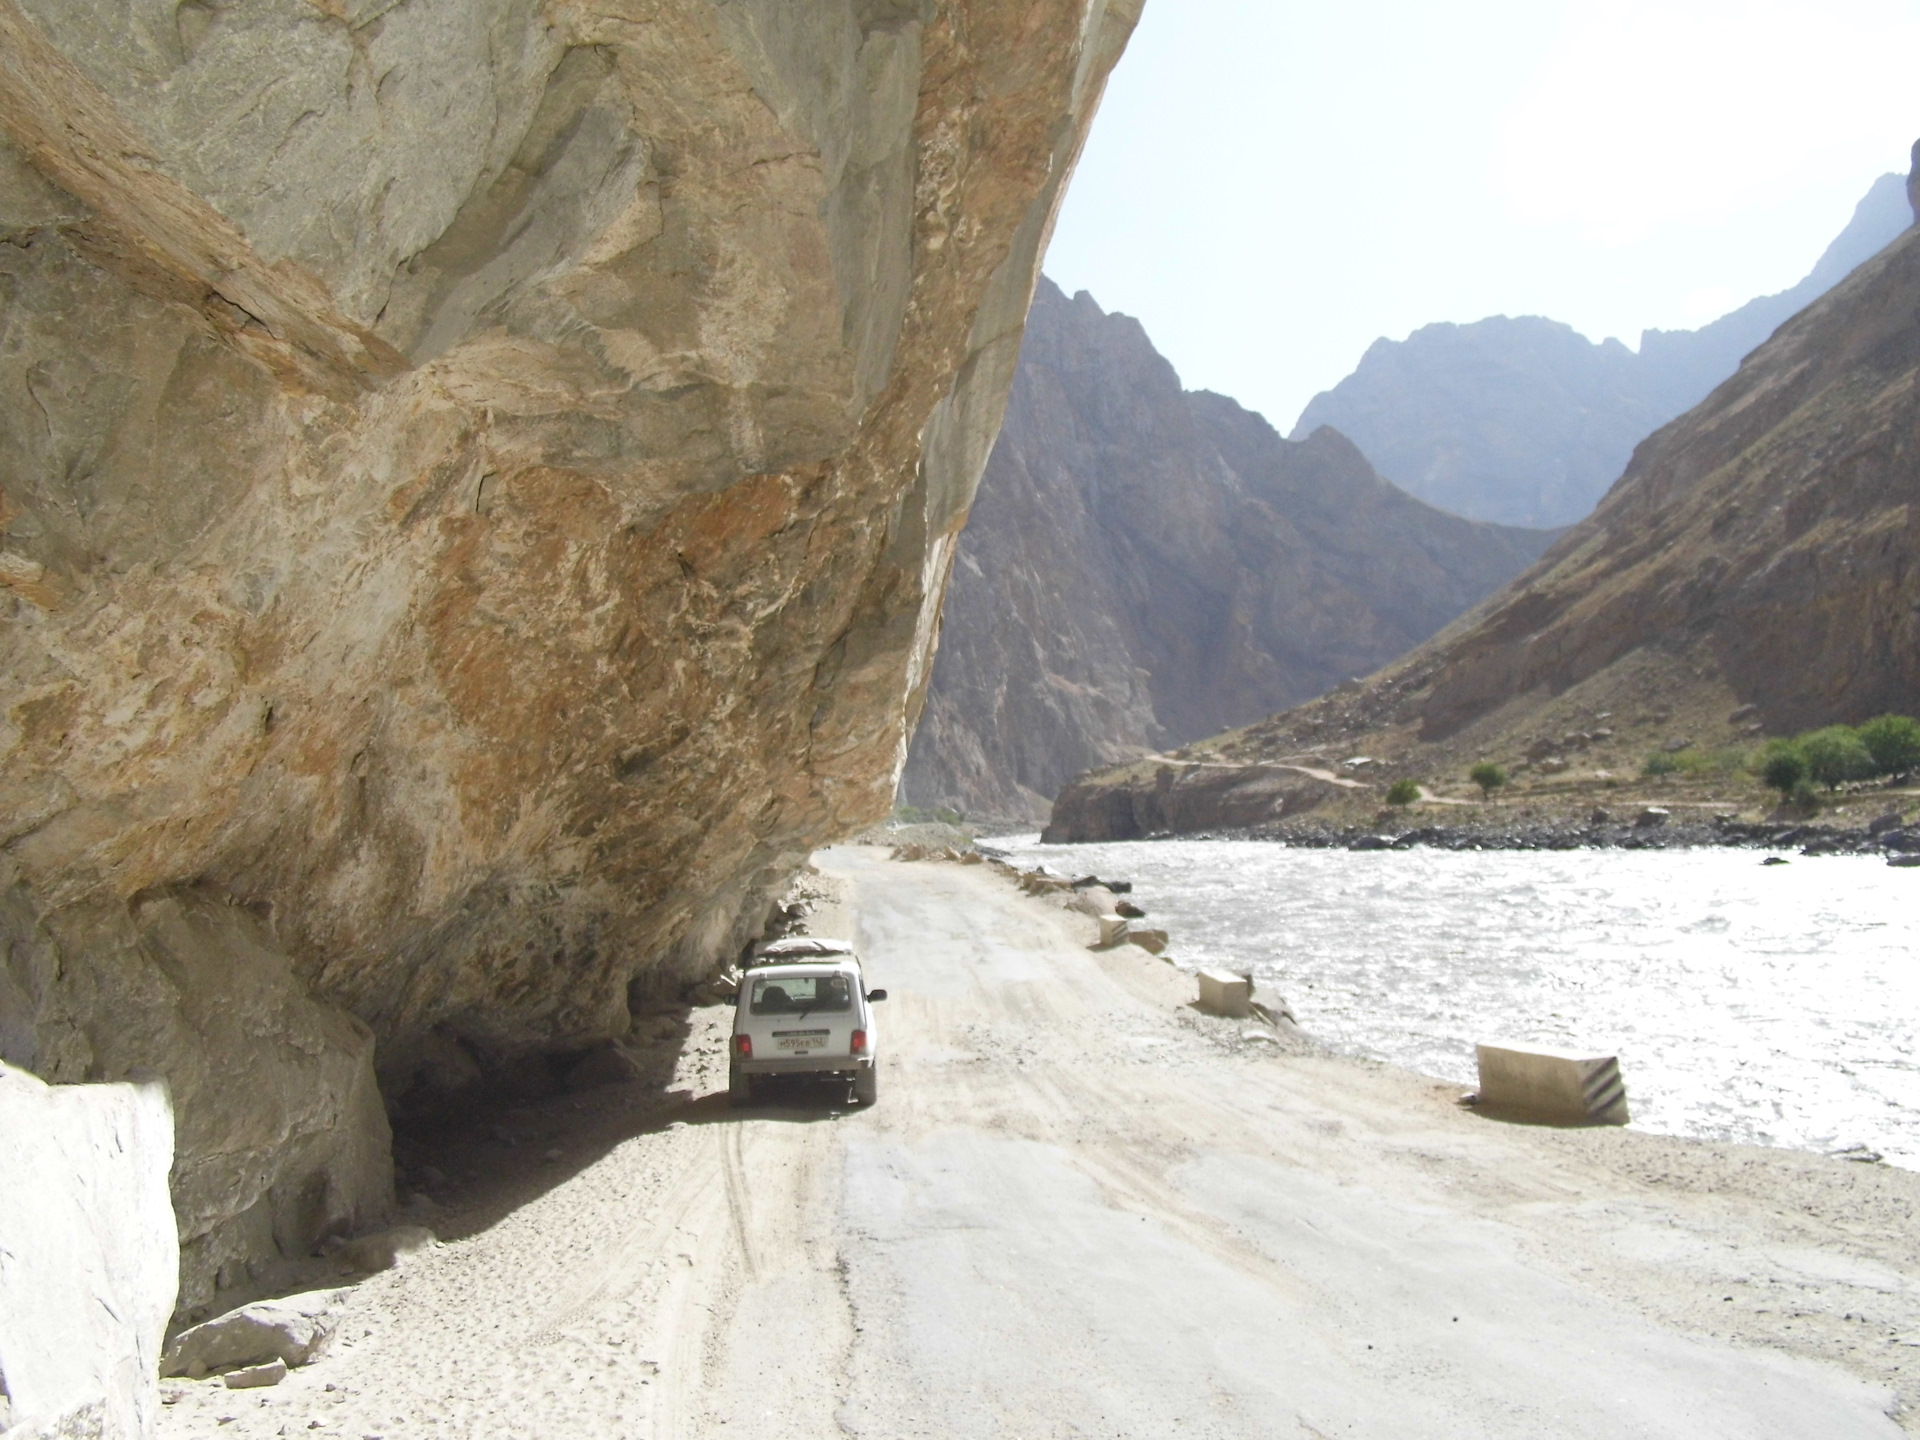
column 1556, row 1087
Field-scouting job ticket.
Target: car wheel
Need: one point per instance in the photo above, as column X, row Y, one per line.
column 866, row 1085
column 739, row 1087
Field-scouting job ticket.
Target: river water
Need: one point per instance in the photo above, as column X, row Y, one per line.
column 1775, row 1005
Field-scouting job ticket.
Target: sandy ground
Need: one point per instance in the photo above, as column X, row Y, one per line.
column 1082, row 1209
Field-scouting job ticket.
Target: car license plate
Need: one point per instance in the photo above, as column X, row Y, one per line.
column 799, row 1040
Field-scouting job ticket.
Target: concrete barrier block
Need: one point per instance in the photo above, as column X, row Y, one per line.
column 1113, row 931
column 1224, row 993
column 1556, row 1087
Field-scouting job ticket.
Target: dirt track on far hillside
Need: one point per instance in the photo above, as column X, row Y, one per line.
column 1082, row 1209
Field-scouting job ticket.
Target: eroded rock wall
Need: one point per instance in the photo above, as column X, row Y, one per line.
column 478, row 480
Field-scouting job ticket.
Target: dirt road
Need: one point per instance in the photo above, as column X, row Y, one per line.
column 1080, row 1209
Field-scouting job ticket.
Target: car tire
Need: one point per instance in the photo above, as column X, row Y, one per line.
column 739, row 1087
column 866, row 1085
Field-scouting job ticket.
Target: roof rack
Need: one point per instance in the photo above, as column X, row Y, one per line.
column 801, row 947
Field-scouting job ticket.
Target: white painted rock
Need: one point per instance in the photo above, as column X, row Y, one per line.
column 1113, row 930
column 89, row 1258
column 1095, row 900
column 293, row 1331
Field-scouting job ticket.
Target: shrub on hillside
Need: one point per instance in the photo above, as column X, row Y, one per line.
column 1835, row 755
column 1783, row 767
column 1894, row 743
column 1658, row 764
column 1402, row 792
column 1488, row 776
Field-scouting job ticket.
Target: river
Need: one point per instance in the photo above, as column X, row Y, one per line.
column 1775, row 1005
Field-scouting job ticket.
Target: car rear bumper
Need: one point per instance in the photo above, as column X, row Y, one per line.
column 804, row 1064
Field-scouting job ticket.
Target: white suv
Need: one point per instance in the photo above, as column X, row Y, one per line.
column 804, row 1010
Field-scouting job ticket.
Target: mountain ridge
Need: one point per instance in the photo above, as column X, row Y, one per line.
column 1146, row 564
column 1523, row 420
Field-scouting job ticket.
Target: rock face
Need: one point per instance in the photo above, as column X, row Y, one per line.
column 478, row 479
column 1757, row 569
column 1527, row 422
column 1145, row 565
column 88, row 1262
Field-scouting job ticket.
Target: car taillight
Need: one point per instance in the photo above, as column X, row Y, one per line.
column 859, row 1042
column 743, row 1045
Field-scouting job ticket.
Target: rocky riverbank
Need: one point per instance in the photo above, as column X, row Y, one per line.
column 1649, row 828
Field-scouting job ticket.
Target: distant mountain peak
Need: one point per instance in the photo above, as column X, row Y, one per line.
column 1524, row 421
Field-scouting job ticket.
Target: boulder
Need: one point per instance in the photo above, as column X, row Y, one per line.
column 1152, row 941
column 1889, row 821
column 1129, row 909
column 1224, row 993
column 1555, row 1087
column 293, row 1330
column 1599, row 816
column 1096, row 901
column 1372, row 842
column 1652, row 816
column 89, row 1261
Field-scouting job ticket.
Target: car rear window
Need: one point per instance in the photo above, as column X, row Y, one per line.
column 790, row 994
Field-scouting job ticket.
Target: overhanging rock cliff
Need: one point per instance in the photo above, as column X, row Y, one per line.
column 478, row 478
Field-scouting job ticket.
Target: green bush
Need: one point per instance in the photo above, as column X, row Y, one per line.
column 1488, row 776
column 1783, row 767
column 1402, row 792
column 1835, row 755
column 1894, row 743
column 1661, row 764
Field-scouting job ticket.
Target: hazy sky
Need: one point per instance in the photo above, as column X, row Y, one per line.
column 1271, row 184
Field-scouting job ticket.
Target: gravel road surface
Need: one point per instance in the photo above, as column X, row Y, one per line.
column 1082, row 1209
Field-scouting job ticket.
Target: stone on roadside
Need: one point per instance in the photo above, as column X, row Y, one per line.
column 292, row 1330
column 254, row 1377
column 1129, row 909
column 603, row 1065
column 1888, row 821
column 970, row 857
column 384, row 1249
column 1095, row 901
column 1652, row 816
column 1599, row 816
column 1152, row 941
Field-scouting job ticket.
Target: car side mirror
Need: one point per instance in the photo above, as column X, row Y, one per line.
column 876, row 994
